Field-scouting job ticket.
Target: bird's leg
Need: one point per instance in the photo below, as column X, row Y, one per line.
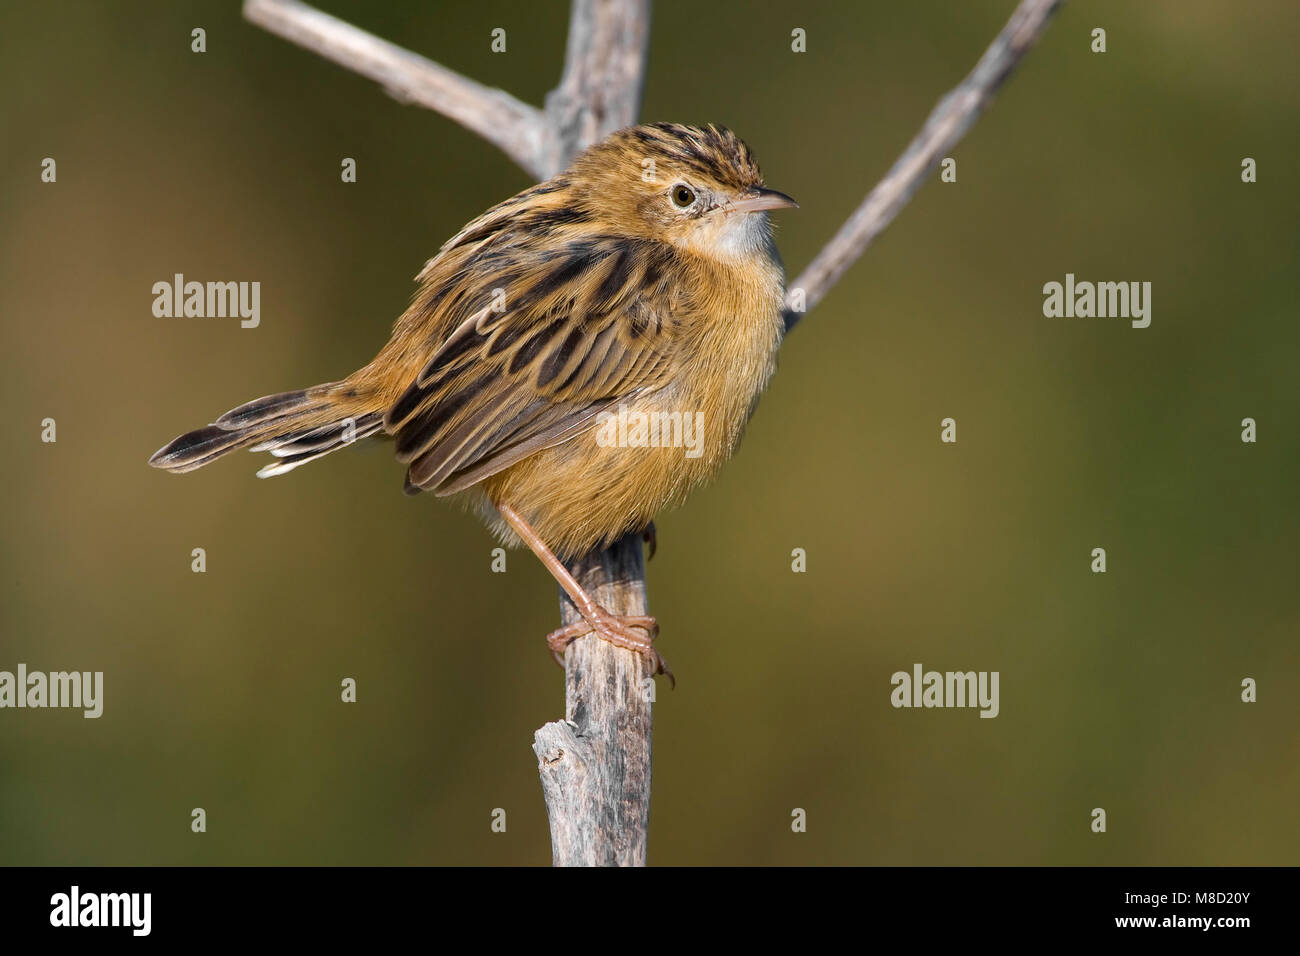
column 618, row 630
column 651, row 538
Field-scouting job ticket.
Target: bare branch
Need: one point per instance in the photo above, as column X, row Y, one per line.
column 595, row 764
column 604, row 70
column 518, row 129
column 947, row 123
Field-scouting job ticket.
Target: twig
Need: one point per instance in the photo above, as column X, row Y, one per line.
column 599, row 92
column 947, row 123
column 519, row 130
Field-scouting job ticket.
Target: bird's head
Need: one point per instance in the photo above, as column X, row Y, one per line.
column 695, row 187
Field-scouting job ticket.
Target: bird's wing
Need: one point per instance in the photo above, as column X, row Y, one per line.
column 554, row 336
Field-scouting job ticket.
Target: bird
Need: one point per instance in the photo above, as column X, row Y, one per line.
column 640, row 285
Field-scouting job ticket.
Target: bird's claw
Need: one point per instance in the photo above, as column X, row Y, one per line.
column 621, row 631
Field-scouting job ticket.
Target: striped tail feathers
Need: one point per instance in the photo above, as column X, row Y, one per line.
column 262, row 410
column 298, row 448
column 295, row 427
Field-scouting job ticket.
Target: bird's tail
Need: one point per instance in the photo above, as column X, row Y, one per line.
column 295, row 427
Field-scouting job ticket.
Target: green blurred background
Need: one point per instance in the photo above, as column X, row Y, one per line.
column 1119, row 690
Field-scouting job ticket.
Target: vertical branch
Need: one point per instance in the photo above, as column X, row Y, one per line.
column 595, row 764
column 604, row 72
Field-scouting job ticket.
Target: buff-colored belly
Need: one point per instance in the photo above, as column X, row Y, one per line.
column 645, row 456
column 583, row 493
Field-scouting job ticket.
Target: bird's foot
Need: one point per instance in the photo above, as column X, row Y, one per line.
column 621, row 631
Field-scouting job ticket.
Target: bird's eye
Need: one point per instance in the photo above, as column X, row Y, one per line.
column 683, row 196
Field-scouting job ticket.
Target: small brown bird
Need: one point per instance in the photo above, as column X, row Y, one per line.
column 576, row 359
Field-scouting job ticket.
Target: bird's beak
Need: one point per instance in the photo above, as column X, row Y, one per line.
column 757, row 200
